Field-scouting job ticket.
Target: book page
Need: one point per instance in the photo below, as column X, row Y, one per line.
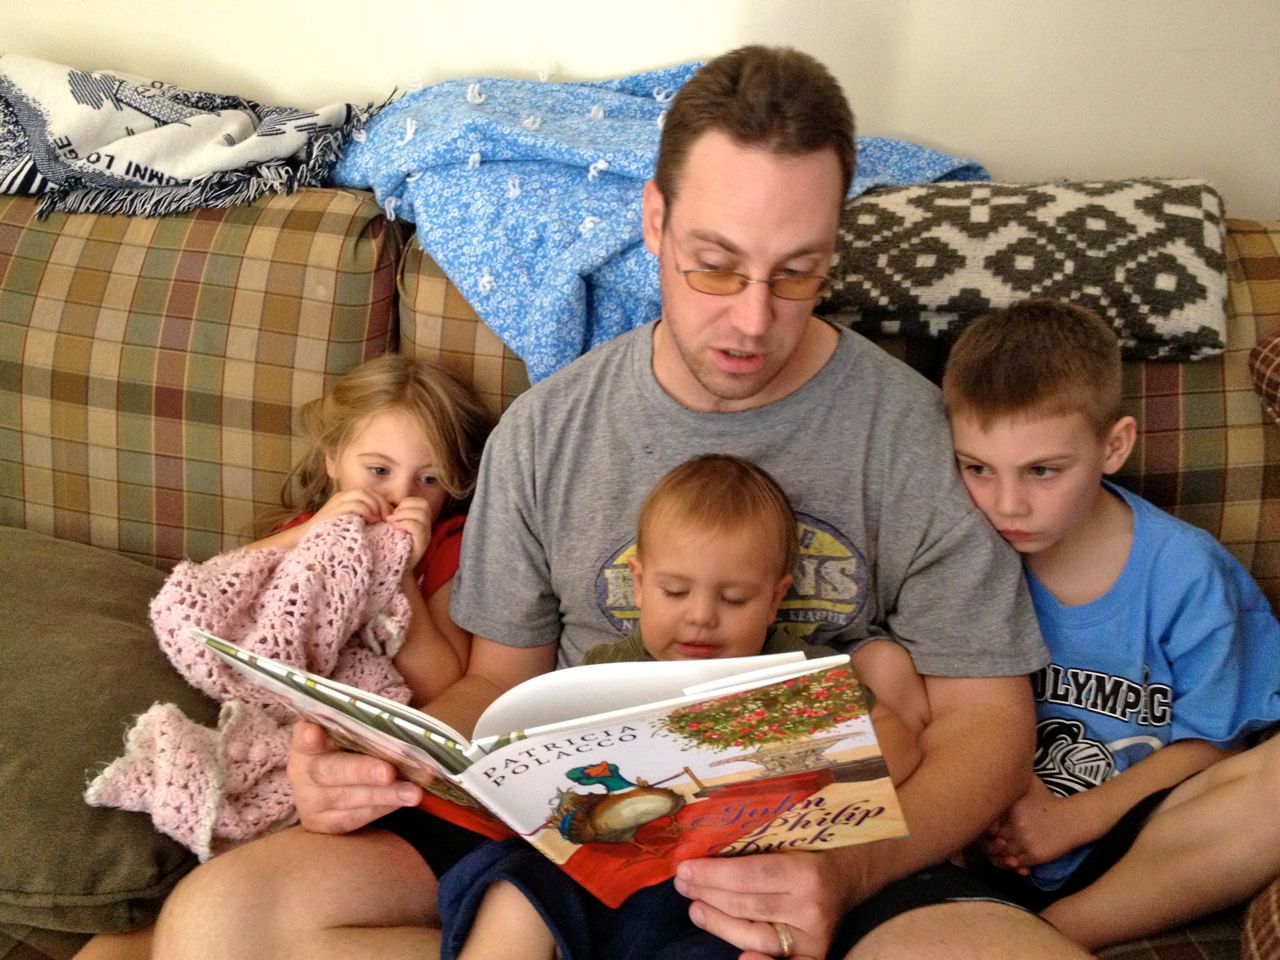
column 358, row 719
column 578, row 693
column 762, row 676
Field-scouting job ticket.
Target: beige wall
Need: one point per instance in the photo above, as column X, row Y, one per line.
column 1034, row 89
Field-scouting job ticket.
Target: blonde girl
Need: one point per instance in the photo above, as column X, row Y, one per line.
column 395, row 440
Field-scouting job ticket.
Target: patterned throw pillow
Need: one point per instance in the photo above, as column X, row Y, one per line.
column 1264, row 370
column 1261, row 938
column 1147, row 255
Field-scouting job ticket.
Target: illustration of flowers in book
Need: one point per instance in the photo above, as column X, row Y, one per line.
column 782, row 724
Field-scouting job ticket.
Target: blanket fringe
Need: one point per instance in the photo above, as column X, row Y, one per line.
column 231, row 188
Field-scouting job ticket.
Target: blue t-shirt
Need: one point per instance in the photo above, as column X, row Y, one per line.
column 1183, row 646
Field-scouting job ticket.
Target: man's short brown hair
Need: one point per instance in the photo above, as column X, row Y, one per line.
column 773, row 97
column 719, row 493
column 1035, row 358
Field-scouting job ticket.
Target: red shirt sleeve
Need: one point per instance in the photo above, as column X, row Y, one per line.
column 440, row 562
column 300, row 518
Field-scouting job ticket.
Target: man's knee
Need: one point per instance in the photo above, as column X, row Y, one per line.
column 277, row 895
column 219, row 909
column 970, row 930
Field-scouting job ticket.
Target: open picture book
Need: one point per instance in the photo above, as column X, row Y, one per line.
column 619, row 771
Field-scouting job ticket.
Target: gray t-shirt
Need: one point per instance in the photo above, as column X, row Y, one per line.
column 890, row 543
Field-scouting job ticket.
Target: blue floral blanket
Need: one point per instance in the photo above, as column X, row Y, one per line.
column 528, row 194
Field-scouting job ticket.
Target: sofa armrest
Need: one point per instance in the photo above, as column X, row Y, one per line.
column 149, row 368
column 1207, row 451
column 1264, row 368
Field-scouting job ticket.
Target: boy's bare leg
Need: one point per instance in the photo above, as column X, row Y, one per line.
column 134, row 945
column 507, row 925
column 306, row 895
column 1208, row 846
column 966, row 931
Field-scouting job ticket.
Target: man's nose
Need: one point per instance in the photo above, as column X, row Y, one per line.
column 753, row 310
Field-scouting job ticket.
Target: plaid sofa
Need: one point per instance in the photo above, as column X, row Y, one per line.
column 148, row 373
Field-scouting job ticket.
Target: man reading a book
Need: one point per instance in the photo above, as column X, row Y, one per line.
column 756, row 156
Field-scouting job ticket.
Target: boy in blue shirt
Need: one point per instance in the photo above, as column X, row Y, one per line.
column 1165, row 653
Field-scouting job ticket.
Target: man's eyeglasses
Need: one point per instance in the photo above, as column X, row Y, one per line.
column 785, row 286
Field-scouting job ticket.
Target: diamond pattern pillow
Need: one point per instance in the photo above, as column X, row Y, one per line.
column 1147, row 255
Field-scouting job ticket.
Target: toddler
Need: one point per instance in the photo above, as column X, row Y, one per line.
column 715, row 546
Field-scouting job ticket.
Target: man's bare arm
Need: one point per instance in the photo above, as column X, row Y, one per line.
column 978, row 749
column 492, row 669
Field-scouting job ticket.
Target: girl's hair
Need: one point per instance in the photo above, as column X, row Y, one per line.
column 454, row 421
column 718, row 493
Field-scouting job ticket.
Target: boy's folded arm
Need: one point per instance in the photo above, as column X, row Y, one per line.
column 1087, row 816
column 1166, row 767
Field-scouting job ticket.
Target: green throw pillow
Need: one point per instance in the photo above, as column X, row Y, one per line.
column 80, row 662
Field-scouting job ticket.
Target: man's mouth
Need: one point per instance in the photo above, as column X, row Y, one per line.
column 1015, row 536
column 738, row 361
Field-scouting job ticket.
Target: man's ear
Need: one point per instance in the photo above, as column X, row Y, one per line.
column 633, row 562
column 653, row 216
column 1119, row 444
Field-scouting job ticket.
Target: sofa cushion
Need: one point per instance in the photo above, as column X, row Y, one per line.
column 1206, row 451
column 80, row 661
column 1216, row 937
column 1147, row 255
column 1264, row 370
column 149, row 367
column 1261, row 937
column 437, row 323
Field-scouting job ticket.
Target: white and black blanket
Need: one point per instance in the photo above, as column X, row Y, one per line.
column 109, row 142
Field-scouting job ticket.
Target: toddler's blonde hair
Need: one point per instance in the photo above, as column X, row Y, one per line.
column 718, row 493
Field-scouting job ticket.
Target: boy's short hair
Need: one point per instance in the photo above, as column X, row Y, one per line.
column 717, row 492
column 1036, row 358
column 771, row 97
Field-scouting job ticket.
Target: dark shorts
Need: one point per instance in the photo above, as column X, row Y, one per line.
column 1105, row 854
column 944, row 883
column 440, row 843
column 577, row 919
column 651, row 924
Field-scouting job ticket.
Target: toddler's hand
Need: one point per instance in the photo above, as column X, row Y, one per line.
column 413, row 515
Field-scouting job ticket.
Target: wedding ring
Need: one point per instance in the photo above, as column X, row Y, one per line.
column 785, row 941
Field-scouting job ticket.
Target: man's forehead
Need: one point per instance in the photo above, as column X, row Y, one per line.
column 726, row 188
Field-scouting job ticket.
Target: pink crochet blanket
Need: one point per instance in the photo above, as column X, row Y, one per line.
column 332, row 605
